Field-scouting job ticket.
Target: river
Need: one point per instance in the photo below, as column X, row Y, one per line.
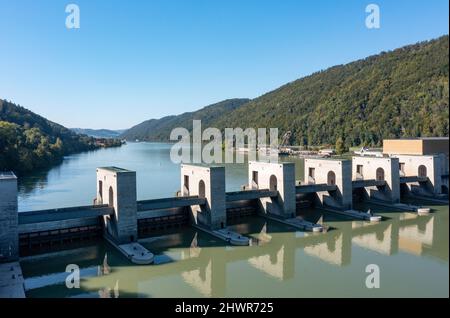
column 411, row 252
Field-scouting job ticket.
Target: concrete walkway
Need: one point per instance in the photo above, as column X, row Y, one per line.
column 11, row 281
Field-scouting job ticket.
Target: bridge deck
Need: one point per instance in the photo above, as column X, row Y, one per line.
column 169, row 203
column 148, row 214
column 367, row 183
column 250, row 195
column 409, row 179
column 79, row 212
column 312, row 188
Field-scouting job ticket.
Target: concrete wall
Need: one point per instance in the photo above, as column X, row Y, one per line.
column 118, row 189
column 391, row 191
column 57, row 225
column 9, row 238
column 434, row 167
column 207, row 182
column 340, row 172
column 277, row 177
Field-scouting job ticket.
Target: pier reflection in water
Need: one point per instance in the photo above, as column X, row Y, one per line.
column 411, row 251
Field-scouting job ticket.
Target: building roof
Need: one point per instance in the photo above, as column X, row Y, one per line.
column 433, row 138
column 419, row 138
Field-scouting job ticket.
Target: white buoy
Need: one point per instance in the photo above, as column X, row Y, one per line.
column 423, row 211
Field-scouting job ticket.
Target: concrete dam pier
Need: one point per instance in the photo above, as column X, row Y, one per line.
column 202, row 202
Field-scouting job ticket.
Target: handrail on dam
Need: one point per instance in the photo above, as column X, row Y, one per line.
column 60, row 214
column 168, row 203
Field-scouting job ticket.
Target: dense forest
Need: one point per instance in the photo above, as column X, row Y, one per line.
column 29, row 141
column 401, row 93
column 159, row 129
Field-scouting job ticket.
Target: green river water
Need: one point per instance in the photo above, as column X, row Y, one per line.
column 410, row 251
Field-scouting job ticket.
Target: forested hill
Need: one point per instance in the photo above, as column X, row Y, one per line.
column 159, row 129
column 29, row 141
column 402, row 93
column 98, row 133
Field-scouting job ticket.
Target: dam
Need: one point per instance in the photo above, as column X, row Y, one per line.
column 271, row 193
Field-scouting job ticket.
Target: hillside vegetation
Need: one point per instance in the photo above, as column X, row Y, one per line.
column 159, row 129
column 29, row 141
column 403, row 93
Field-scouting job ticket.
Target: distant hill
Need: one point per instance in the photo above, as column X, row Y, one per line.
column 29, row 141
column 402, row 93
column 98, row 133
column 159, row 129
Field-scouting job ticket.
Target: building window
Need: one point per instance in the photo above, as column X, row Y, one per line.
column 273, row 183
column 402, row 169
column 201, row 189
column 255, row 179
column 380, row 174
column 359, row 171
column 312, row 175
column 111, row 197
column 100, row 190
column 331, row 178
column 186, row 185
column 422, row 171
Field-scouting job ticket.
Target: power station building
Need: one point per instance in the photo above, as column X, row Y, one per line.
column 416, row 146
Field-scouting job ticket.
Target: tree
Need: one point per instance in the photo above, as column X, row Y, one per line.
column 340, row 146
column 29, row 141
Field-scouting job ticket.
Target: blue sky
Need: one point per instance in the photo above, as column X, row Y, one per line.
column 135, row 60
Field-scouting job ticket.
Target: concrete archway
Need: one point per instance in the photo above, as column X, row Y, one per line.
column 331, row 178
column 422, row 171
column 201, row 189
column 380, row 174
column 273, row 183
column 111, row 197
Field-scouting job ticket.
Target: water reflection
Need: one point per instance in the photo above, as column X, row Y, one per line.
column 280, row 262
column 191, row 264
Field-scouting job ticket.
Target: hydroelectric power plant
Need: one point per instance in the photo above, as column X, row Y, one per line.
column 272, row 193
